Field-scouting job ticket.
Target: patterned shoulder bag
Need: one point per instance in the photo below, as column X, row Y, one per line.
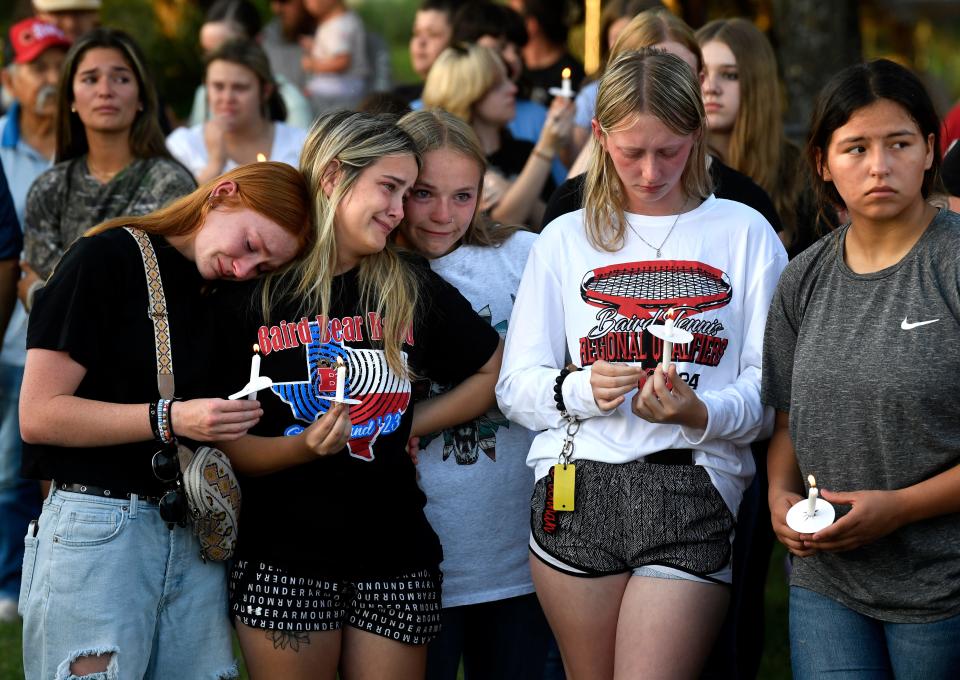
column 211, row 487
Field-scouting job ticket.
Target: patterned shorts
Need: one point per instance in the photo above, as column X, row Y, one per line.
column 405, row 608
column 658, row 520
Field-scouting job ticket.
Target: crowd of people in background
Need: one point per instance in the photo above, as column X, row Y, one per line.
column 519, row 472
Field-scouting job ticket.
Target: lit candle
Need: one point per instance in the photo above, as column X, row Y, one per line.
column 261, row 158
column 812, row 496
column 667, row 344
column 254, row 370
column 341, row 379
column 566, row 84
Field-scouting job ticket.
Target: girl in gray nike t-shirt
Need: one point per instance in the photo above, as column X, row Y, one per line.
column 860, row 363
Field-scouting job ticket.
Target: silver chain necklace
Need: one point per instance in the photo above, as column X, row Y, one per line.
column 658, row 248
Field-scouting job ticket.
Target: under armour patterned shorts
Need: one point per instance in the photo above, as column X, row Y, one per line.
column 405, row 608
column 665, row 521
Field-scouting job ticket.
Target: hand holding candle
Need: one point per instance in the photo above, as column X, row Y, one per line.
column 811, row 515
column 670, row 334
column 256, row 381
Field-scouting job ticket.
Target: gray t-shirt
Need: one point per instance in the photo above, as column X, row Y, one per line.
column 866, row 365
column 475, row 476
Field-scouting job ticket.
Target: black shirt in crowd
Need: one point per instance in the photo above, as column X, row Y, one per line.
column 728, row 183
column 541, row 80
column 94, row 307
column 510, row 158
column 358, row 513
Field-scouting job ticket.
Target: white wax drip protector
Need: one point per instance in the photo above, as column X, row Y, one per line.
column 800, row 521
column 560, row 92
column 259, row 383
column 345, row 400
column 677, row 336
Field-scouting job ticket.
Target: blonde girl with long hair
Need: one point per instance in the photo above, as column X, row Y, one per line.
column 112, row 572
column 642, row 457
column 741, row 93
column 332, row 512
column 491, row 617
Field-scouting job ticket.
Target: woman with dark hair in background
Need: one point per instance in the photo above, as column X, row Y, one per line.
column 111, row 158
column 741, row 94
column 247, row 114
column 431, row 34
column 546, row 54
column 877, row 593
column 114, row 585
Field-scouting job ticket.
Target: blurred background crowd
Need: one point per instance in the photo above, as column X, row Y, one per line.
column 220, row 83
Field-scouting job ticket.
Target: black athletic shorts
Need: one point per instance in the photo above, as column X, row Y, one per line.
column 648, row 519
column 405, row 608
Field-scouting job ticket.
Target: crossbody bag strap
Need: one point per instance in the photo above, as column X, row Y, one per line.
column 157, row 311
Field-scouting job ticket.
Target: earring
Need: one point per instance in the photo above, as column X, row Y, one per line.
column 73, row 108
column 139, row 107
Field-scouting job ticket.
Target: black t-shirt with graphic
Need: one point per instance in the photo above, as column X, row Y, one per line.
column 95, row 308
column 357, row 513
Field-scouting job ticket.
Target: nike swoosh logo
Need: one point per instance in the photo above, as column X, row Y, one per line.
column 906, row 325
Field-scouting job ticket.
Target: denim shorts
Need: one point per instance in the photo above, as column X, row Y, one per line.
column 106, row 576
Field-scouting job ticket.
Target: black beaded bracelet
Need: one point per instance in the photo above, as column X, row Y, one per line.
column 154, row 426
column 558, row 386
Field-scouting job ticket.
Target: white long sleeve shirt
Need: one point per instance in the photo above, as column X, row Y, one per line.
column 718, row 271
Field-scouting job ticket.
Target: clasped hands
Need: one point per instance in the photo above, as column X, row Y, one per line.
column 660, row 397
column 873, row 514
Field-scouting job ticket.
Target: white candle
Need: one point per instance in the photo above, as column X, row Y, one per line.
column 566, row 84
column 812, row 496
column 667, row 344
column 254, row 369
column 341, row 379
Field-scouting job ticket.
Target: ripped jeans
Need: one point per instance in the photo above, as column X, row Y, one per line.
column 106, row 577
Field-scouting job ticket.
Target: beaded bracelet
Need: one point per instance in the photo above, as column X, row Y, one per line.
column 558, row 386
column 163, row 421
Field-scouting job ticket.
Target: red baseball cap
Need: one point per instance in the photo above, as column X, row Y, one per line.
column 30, row 38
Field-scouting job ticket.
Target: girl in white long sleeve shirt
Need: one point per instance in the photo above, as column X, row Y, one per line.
column 661, row 460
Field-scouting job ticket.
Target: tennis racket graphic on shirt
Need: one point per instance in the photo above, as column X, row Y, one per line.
column 643, row 288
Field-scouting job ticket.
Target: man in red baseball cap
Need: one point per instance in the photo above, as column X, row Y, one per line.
column 73, row 17
column 33, row 57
